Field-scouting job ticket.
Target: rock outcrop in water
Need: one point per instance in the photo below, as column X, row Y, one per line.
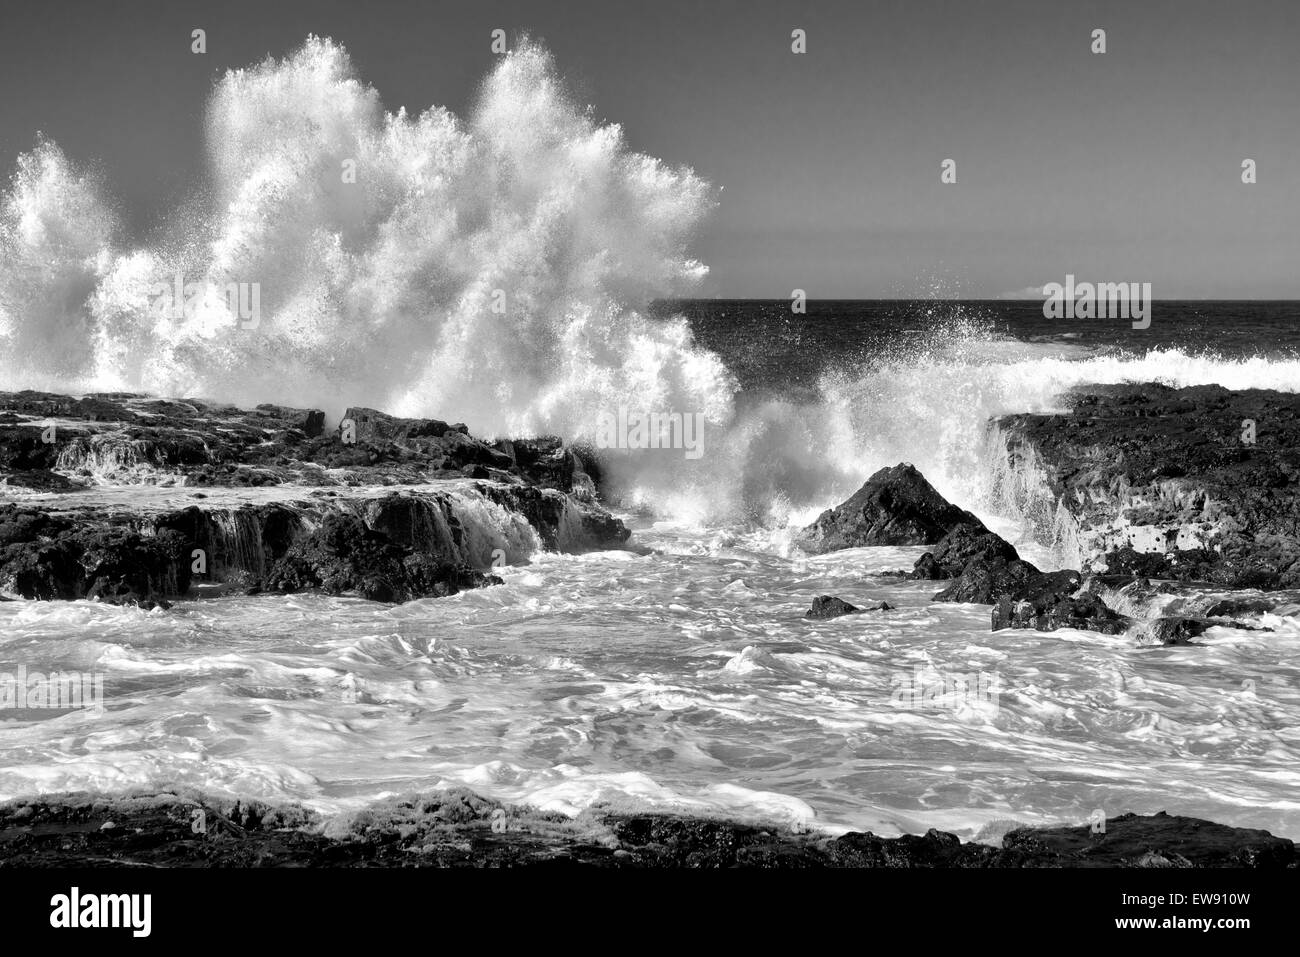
column 1194, row 484
column 62, row 442
column 1024, row 597
column 55, row 557
column 896, row 506
column 133, row 499
column 344, row 556
column 958, row 548
column 457, row 828
column 828, row 606
column 1053, row 600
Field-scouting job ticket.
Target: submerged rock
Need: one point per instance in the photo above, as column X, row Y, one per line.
column 1048, row 612
column 1024, row 597
column 896, row 506
column 827, row 606
column 1047, row 601
column 1173, row 631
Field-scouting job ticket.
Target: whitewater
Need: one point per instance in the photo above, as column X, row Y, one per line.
column 678, row 675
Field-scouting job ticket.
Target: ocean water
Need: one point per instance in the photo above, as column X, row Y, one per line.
column 686, row 677
column 681, row 675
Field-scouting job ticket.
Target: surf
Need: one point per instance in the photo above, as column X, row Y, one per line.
column 495, row 269
column 379, row 292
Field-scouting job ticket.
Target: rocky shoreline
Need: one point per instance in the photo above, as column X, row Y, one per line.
column 1182, row 506
column 385, row 508
column 134, row 500
column 458, row 828
column 1199, row 484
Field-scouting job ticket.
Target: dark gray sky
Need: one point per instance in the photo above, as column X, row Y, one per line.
column 1118, row 167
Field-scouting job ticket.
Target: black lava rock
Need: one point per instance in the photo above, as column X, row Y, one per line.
column 896, row 506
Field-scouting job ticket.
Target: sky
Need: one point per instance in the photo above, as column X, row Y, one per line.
column 1115, row 167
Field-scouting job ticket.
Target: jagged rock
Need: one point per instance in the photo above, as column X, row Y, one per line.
column 1086, row 614
column 1241, row 605
column 1128, row 838
column 1174, row 631
column 1052, row 600
column 457, row 828
column 1046, row 601
column 989, row 571
column 49, row 558
column 1024, row 597
column 896, row 506
column 379, row 427
column 99, row 436
column 90, row 551
column 308, row 422
column 125, row 438
column 441, row 446
column 827, row 606
column 956, row 549
column 1159, row 483
column 405, row 546
column 548, row 462
column 984, row 580
column 344, row 556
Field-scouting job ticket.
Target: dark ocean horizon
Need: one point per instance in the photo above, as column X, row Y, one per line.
column 765, row 344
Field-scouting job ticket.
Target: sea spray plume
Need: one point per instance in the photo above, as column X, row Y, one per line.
column 783, row 461
column 382, row 291
column 56, row 242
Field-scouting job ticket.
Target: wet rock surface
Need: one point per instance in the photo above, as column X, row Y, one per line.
column 984, row 581
column 123, row 438
column 458, row 828
column 956, row 549
column 54, row 557
column 345, row 556
column 321, row 519
column 1048, row 602
column 896, row 506
column 1193, row 484
column 828, row 606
